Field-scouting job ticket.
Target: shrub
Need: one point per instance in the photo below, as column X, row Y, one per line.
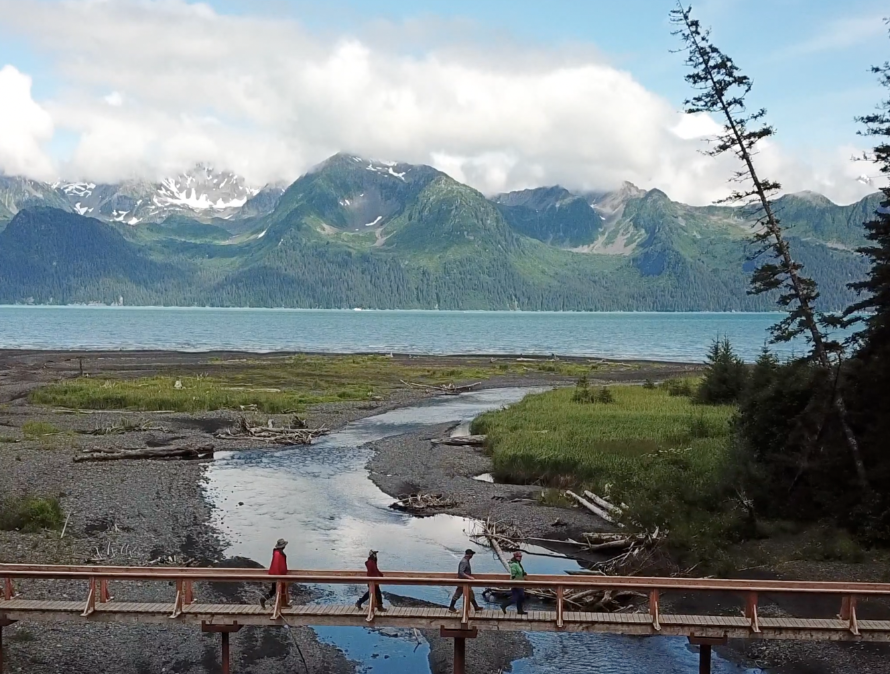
column 582, row 392
column 38, row 429
column 649, row 384
column 30, row 514
column 725, row 378
column 678, row 387
column 605, row 396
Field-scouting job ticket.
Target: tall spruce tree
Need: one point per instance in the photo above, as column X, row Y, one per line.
column 722, row 89
column 873, row 309
column 870, row 368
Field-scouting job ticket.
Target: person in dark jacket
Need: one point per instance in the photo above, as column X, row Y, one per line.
column 372, row 572
column 464, row 570
column 517, row 594
column 278, row 567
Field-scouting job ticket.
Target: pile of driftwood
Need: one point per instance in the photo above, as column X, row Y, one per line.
column 124, row 426
column 174, row 560
column 448, row 389
column 500, row 535
column 296, row 434
column 598, row 506
column 185, row 453
column 419, row 503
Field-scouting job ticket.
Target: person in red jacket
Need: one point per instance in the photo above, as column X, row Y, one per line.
column 372, row 572
column 277, row 568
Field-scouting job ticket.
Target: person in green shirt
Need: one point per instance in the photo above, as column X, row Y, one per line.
column 517, row 594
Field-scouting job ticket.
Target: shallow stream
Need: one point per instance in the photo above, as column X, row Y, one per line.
column 322, row 501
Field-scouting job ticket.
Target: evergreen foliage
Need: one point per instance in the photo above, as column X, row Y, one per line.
column 725, row 377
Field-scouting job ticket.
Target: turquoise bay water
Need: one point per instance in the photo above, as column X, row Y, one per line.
column 652, row 336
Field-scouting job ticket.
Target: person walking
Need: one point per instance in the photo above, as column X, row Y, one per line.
column 278, row 567
column 517, row 594
column 373, row 572
column 464, row 572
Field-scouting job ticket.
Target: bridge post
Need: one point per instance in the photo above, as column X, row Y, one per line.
column 460, row 646
column 704, row 651
column 224, row 632
column 3, row 623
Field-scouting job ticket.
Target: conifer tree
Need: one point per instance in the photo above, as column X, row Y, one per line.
column 874, row 339
column 722, row 89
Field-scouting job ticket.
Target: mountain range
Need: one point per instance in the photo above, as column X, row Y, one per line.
column 355, row 232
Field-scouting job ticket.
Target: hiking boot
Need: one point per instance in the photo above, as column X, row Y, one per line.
column 263, row 602
column 521, row 612
column 504, row 609
column 358, row 605
column 452, row 609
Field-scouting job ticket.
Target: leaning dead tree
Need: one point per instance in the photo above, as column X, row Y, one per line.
column 722, row 89
column 291, row 435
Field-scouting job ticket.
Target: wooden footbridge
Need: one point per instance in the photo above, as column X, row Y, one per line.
column 185, row 606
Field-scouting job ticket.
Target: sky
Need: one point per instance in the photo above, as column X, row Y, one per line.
column 500, row 94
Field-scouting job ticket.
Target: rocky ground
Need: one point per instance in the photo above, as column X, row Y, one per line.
column 135, row 512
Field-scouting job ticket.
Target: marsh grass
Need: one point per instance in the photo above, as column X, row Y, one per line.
column 276, row 387
column 30, row 514
column 34, row 430
column 649, row 448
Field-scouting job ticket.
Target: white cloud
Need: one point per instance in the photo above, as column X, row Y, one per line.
column 265, row 98
column 24, row 126
column 114, row 99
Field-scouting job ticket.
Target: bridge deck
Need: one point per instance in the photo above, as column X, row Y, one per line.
column 640, row 624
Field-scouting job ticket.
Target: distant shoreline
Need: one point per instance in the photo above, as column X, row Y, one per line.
column 73, row 354
column 362, row 310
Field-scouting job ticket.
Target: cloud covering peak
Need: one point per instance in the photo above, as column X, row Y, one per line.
column 152, row 87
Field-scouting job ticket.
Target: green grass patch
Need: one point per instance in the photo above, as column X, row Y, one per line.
column 651, row 449
column 281, row 386
column 555, row 498
column 30, row 514
column 34, row 430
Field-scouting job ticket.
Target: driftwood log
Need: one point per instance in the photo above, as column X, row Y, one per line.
column 595, row 509
column 462, row 441
column 189, row 453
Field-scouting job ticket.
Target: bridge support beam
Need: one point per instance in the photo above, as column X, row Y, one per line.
column 3, row 623
column 224, row 632
column 460, row 646
column 705, row 645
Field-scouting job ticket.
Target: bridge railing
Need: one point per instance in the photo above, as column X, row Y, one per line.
column 99, row 577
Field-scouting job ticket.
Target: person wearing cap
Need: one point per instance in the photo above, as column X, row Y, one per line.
column 373, row 572
column 464, row 571
column 278, row 567
column 517, row 594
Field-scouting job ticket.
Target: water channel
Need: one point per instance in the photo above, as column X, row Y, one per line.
column 321, row 499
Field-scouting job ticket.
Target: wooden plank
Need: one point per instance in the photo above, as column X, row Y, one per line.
column 875, row 625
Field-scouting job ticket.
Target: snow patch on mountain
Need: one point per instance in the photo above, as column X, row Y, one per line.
column 203, row 189
column 202, row 193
